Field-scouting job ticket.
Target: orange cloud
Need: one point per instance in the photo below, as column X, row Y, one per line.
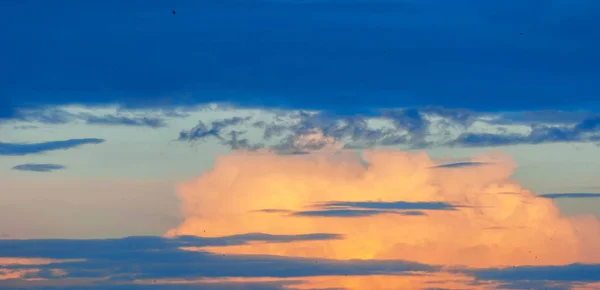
column 5, row 261
column 6, row 274
column 495, row 222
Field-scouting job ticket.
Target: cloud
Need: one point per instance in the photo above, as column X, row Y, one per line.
column 214, row 129
column 354, row 213
column 411, row 120
column 25, row 127
column 402, row 205
column 58, row 115
column 460, row 207
column 126, row 121
column 460, row 165
column 133, row 260
column 297, row 132
column 90, row 249
column 38, row 167
column 15, row 149
column 16, row 273
column 153, row 262
column 585, row 131
column 31, row 261
column 370, row 208
column 571, row 273
column 45, row 115
column 310, row 141
column 543, row 116
column 570, row 195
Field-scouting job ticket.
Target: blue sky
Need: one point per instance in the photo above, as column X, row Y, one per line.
column 344, row 56
column 295, row 144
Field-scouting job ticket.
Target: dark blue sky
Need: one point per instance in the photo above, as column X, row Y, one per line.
column 343, row 56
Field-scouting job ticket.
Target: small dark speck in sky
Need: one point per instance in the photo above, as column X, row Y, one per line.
column 176, row 12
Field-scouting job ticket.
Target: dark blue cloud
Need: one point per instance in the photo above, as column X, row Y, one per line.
column 87, row 249
column 396, row 205
column 123, row 260
column 352, row 213
column 116, row 263
column 371, row 208
column 34, row 148
column 38, row 167
column 461, row 164
column 570, row 273
column 570, row 195
column 278, row 285
column 335, row 55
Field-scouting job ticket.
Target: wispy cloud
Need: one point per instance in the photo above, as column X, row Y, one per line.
column 54, row 115
column 570, row 195
column 16, row 149
column 38, row 167
column 152, row 122
column 587, row 130
column 301, row 131
column 293, row 131
column 214, row 129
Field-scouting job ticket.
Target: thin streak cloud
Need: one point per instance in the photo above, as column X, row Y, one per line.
column 39, row 167
column 570, row 195
column 18, row 149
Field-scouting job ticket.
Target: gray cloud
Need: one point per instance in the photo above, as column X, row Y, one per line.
column 45, row 116
column 59, row 116
column 587, row 130
column 214, row 129
column 113, row 120
column 38, row 167
column 543, row 116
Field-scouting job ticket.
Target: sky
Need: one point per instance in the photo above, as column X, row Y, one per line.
column 300, row 144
